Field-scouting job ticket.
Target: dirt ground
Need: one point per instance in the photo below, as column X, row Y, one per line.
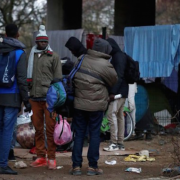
column 161, row 148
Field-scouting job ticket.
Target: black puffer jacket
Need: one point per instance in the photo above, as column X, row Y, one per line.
column 15, row 100
column 119, row 63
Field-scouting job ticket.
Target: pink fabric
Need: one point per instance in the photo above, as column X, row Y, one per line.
column 66, row 135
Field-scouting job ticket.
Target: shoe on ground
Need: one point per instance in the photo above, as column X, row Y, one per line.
column 171, row 172
column 75, row 171
column 94, row 171
column 52, row 164
column 148, row 136
column 7, row 170
column 112, row 147
column 32, row 150
column 121, row 147
column 11, row 156
column 137, row 137
column 39, row 162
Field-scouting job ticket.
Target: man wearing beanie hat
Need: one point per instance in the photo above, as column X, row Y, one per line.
column 91, row 100
column 43, row 66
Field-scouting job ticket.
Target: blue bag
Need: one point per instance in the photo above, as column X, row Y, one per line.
column 8, row 64
column 60, row 95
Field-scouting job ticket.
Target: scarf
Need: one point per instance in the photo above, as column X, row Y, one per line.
column 34, row 49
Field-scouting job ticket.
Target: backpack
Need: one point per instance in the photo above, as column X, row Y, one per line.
column 8, row 64
column 60, row 95
column 56, row 96
column 132, row 73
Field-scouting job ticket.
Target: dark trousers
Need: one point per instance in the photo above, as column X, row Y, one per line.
column 81, row 120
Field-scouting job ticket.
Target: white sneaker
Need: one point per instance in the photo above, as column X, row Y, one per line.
column 121, row 147
column 112, row 147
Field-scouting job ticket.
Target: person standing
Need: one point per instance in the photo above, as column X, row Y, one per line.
column 11, row 97
column 44, row 65
column 91, row 100
column 115, row 109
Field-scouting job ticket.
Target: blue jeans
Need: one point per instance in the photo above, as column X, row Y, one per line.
column 13, row 140
column 8, row 118
column 81, row 120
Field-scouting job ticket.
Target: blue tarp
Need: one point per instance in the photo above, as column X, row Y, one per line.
column 142, row 102
column 172, row 81
column 157, row 48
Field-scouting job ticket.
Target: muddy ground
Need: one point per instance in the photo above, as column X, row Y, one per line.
column 161, row 148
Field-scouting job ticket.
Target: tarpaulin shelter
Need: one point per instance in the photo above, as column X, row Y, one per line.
column 157, row 49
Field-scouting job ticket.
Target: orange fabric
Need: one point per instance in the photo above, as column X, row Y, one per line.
column 39, row 112
column 39, row 162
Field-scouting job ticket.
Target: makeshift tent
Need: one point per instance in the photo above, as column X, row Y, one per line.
column 157, row 49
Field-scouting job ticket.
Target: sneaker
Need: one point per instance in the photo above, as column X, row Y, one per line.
column 121, row 147
column 39, row 162
column 148, row 136
column 94, row 171
column 75, row 171
column 112, row 147
column 7, row 170
column 137, row 137
column 52, row 164
column 32, row 150
column 11, row 156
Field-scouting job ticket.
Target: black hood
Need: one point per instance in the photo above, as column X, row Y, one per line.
column 114, row 45
column 9, row 44
column 74, row 45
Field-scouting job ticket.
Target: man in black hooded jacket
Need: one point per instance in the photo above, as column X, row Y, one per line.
column 11, row 97
column 115, row 109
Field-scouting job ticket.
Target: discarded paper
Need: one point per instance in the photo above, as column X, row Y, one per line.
column 132, row 169
column 113, row 162
column 20, row 165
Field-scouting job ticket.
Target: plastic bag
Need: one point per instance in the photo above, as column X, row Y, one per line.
column 62, row 132
column 24, row 118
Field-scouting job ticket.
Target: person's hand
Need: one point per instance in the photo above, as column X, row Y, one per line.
column 111, row 97
column 28, row 106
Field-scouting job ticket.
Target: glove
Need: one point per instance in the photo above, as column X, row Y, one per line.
column 28, row 106
column 111, row 97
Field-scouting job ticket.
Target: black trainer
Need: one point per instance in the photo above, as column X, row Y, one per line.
column 121, row 147
column 11, row 156
column 148, row 136
column 7, row 170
